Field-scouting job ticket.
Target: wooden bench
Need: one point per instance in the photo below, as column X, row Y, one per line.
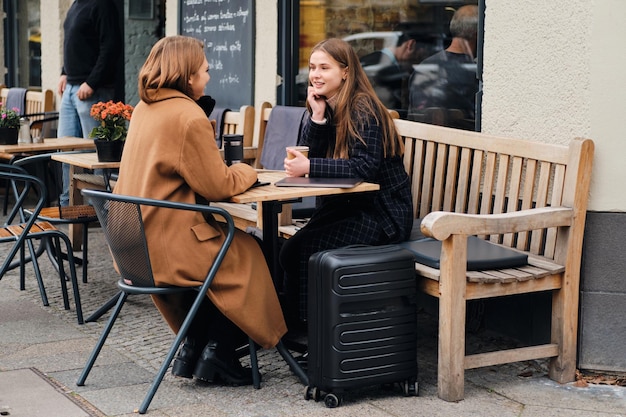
column 521, row 194
column 35, row 102
column 240, row 122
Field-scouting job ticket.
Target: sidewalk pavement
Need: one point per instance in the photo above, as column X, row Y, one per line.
column 47, row 341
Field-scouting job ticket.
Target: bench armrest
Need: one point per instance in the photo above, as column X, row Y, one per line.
column 441, row 224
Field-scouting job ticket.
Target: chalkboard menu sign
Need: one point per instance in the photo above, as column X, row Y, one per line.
column 227, row 29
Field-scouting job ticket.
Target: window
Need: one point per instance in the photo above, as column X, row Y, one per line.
column 392, row 39
column 22, row 43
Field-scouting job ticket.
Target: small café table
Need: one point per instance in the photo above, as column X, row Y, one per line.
column 272, row 199
column 87, row 160
column 67, row 143
column 90, row 161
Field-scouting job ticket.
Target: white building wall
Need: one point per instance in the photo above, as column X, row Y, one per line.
column 52, row 17
column 551, row 74
column 266, row 62
column 608, row 104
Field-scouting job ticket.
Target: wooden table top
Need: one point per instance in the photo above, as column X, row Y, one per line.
column 274, row 193
column 88, row 160
column 67, row 143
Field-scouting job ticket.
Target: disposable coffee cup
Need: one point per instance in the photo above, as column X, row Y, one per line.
column 302, row 149
column 233, row 149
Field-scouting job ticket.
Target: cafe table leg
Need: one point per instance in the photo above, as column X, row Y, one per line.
column 76, row 198
column 270, row 239
column 273, row 214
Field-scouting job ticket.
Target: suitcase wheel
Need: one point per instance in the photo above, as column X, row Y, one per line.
column 331, row 400
column 311, row 393
column 410, row 387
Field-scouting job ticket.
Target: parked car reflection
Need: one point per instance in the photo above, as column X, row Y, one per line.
column 388, row 58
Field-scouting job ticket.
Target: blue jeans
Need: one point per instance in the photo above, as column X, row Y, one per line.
column 75, row 120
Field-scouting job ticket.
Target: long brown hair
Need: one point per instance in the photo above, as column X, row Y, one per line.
column 357, row 102
column 171, row 63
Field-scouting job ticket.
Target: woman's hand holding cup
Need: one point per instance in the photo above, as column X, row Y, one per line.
column 297, row 161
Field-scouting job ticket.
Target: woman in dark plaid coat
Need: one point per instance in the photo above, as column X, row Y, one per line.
column 349, row 134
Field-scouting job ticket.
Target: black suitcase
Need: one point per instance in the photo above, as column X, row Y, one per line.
column 361, row 321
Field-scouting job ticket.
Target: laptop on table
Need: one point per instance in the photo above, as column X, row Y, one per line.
column 318, row 182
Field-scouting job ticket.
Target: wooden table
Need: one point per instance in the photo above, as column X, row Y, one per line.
column 87, row 160
column 272, row 198
column 67, row 143
column 90, row 161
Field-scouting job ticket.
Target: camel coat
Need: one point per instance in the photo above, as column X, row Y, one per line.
column 171, row 154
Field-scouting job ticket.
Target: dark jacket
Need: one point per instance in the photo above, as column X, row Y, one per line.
column 93, row 43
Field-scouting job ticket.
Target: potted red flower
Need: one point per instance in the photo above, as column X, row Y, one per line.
column 110, row 134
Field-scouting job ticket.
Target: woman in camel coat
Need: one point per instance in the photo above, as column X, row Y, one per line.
column 171, row 154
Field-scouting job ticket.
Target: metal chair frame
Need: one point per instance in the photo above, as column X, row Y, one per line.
column 41, row 125
column 81, row 214
column 22, row 227
column 105, row 203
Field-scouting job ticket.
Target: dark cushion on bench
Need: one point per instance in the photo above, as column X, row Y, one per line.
column 416, row 233
column 481, row 254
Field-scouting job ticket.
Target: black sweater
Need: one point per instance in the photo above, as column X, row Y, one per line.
column 93, row 43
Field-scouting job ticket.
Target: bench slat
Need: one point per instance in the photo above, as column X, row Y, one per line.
column 16, row 229
column 540, row 269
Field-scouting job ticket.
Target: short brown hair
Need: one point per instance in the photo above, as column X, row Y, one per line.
column 171, row 63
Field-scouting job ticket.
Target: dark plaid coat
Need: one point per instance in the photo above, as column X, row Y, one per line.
column 374, row 218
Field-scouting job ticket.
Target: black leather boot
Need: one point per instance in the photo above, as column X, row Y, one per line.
column 186, row 358
column 211, row 368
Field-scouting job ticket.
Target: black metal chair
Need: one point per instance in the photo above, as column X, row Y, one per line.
column 43, row 125
column 21, row 228
column 121, row 220
column 82, row 214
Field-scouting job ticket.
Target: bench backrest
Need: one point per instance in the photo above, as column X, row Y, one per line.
column 34, row 102
column 240, row 122
column 475, row 173
column 265, row 109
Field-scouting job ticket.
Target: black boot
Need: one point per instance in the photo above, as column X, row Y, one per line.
column 211, row 368
column 186, row 358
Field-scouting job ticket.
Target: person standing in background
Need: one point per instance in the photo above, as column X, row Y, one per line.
column 446, row 82
column 92, row 48
column 390, row 68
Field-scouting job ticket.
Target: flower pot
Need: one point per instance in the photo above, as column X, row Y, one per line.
column 109, row 151
column 8, row 135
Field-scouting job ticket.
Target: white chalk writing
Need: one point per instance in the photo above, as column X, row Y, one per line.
column 226, row 30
